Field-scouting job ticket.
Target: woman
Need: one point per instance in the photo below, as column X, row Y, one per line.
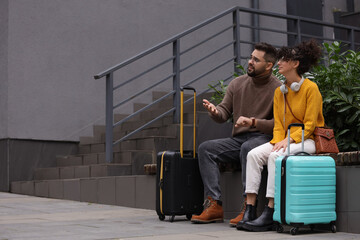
column 297, row 101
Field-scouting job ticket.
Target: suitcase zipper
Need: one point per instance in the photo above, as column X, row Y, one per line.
column 283, row 191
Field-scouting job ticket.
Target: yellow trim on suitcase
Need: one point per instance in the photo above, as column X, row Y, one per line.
column 161, row 179
column 182, row 124
column 194, row 132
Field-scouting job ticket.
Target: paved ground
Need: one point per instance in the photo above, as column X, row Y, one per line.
column 25, row 217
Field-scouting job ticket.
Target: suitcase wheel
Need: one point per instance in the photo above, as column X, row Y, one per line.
column 333, row 228
column 188, row 216
column 279, row 228
column 161, row 217
column 312, row 226
column 294, row 230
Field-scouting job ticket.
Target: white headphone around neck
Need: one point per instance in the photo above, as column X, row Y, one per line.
column 295, row 86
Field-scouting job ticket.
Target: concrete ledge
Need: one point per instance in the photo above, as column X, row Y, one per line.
column 348, row 198
column 28, row 188
column 125, row 189
column 56, row 189
column 106, row 190
column 145, row 191
column 42, row 188
column 16, row 187
column 345, row 158
column 89, row 190
column 72, row 189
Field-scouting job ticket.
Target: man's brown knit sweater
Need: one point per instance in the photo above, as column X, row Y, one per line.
column 249, row 97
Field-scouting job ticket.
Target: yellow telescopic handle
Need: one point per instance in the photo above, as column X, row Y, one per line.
column 182, row 124
column 182, row 121
column 194, row 131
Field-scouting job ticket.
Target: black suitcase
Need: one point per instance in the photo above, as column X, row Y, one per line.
column 179, row 187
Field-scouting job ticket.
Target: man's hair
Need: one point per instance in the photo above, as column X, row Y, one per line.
column 270, row 51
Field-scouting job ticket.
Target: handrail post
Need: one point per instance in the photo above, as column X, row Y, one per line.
column 236, row 36
column 255, row 21
column 352, row 39
column 109, row 118
column 298, row 29
column 176, row 80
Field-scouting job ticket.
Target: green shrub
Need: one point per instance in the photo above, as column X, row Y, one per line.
column 338, row 78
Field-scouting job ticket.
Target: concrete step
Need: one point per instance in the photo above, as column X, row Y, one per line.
column 86, row 171
column 88, row 140
column 128, row 127
column 188, row 107
column 169, row 130
column 165, row 103
column 156, row 143
column 153, row 143
column 83, row 159
column 157, row 94
column 137, row 159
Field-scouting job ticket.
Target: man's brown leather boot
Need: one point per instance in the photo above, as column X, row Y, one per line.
column 213, row 212
column 234, row 221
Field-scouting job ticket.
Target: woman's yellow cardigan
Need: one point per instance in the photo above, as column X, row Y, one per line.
column 306, row 104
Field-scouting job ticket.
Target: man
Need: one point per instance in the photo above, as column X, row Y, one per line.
column 249, row 99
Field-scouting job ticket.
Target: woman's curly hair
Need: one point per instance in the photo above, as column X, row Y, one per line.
column 307, row 53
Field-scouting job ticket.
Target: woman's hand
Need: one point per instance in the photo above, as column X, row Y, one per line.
column 282, row 144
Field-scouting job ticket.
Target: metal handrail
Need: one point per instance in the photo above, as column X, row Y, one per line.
column 176, row 70
column 145, row 72
column 164, row 43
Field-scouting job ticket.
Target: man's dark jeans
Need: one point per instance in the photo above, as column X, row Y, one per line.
column 226, row 150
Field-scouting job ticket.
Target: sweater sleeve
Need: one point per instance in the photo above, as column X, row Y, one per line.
column 313, row 110
column 265, row 126
column 279, row 130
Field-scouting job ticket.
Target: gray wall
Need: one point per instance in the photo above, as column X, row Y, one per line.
column 50, row 50
column 55, row 47
column 3, row 68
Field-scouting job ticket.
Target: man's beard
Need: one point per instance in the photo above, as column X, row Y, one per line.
column 251, row 73
column 255, row 72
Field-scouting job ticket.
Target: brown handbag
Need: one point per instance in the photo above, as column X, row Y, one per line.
column 325, row 140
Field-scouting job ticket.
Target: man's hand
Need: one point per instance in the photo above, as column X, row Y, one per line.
column 282, row 144
column 243, row 122
column 210, row 107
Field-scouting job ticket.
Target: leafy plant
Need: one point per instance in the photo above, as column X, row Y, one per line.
column 277, row 74
column 220, row 87
column 218, row 94
column 339, row 82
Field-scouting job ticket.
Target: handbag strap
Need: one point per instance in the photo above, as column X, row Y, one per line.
column 291, row 110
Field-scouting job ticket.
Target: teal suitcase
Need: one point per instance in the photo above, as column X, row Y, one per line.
column 305, row 190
